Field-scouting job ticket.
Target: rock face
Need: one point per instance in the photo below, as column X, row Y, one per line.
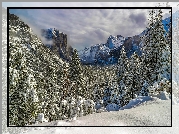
column 21, row 36
column 108, row 53
column 57, row 42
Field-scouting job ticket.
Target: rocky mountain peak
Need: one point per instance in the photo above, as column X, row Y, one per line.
column 58, row 43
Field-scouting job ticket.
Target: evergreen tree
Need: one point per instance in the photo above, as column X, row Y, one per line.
column 163, row 54
column 123, row 94
column 134, row 77
column 107, row 95
column 143, row 76
column 151, row 49
column 23, row 105
column 76, row 76
column 155, row 44
column 65, row 83
column 144, row 91
column 122, row 64
column 166, row 55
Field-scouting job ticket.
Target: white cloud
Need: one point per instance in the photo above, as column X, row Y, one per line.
column 88, row 26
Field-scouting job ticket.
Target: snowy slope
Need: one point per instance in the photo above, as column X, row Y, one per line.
column 150, row 108
column 156, row 112
column 148, row 113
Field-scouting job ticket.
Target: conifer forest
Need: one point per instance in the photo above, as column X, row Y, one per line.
column 44, row 87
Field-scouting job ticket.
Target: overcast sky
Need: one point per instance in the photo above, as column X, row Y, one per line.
column 86, row 27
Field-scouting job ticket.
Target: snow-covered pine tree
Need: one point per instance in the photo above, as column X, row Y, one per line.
column 122, row 64
column 169, row 34
column 155, row 44
column 151, row 49
column 106, row 97
column 75, row 74
column 32, row 98
column 123, row 94
column 169, row 39
column 22, row 107
column 165, row 46
column 124, row 78
column 88, row 75
column 134, row 77
column 163, row 54
column 144, row 91
column 65, row 84
column 143, row 76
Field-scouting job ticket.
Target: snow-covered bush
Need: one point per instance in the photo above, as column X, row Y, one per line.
column 151, row 89
column 137, row 101
column 89, row 107
column 41, row 118
column 99, row 104
column 68, row 108
column 164, row 85
column 160, row 90
column 102, row 109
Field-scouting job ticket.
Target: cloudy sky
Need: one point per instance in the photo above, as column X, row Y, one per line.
column 85, row 27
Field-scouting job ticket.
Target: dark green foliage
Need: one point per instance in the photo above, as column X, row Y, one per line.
column 66, row 90
column 75, row 74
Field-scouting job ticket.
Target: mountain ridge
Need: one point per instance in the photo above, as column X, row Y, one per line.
column 109, row 52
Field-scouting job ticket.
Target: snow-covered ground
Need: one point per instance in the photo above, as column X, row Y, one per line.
column 142, row 111
column 151, row 113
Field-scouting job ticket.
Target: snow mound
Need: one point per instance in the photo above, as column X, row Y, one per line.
column 102, row 109
column 164, row 95
column 137, row 101
column 41, row 118
column 98, row 106
column 112, row 107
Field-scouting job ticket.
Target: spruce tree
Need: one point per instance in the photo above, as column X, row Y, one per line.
column 163, row 54
column 143, row 76
column 134, row 77
column 144, row 91
column 123, row 94
column 23, row 106
column 65, row 83
column 151, row 49
column 166, row 54
column 122, row 64
column 75, row 72
column 155, row 45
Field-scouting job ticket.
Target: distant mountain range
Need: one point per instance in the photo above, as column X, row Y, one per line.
column 99, row 54
column 109, row 52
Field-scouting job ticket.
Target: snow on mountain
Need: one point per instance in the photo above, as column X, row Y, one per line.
column 101, row 52
column 108, row 53
column 57, row 42
column 115, row 42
